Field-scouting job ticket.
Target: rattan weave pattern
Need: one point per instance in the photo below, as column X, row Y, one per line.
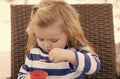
column 97, row 23
column 19, row 19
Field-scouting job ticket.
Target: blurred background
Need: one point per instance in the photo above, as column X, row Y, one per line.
column 5, row 29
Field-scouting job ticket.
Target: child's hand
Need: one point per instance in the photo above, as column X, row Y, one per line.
column 57, row 55
column 62, row 55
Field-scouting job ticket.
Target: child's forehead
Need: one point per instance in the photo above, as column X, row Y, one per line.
column 50, row 35
column 57, row 23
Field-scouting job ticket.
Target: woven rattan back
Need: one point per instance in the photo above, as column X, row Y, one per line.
column 97, row 23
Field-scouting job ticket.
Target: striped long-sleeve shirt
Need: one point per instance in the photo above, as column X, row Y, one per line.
column 87, row 63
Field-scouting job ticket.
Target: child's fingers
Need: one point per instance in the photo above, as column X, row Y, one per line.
column 51, row 58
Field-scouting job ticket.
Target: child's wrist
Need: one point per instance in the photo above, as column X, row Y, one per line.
column 70, row 56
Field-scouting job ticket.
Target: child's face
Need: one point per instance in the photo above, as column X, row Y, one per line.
column 50, row 37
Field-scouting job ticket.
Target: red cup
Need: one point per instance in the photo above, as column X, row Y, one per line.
column 38, row 74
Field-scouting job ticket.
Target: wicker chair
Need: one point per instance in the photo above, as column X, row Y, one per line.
column 97, row 23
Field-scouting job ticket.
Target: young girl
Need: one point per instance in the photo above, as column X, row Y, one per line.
column 56, row 43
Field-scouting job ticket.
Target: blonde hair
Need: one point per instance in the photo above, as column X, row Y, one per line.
column 48, row 12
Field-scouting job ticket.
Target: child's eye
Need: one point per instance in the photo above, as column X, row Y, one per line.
column 54, row 41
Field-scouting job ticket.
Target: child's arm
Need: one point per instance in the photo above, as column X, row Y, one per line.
column 87, row 62
column 83, row 61
column 24, row 70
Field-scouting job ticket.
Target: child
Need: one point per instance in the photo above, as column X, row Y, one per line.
column 56, row 43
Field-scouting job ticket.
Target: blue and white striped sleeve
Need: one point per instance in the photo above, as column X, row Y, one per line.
column 25, row 68
column 87, row 63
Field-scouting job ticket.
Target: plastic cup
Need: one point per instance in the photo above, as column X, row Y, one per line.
column 38, row 74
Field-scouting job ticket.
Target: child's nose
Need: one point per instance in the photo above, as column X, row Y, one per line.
column 47, row 45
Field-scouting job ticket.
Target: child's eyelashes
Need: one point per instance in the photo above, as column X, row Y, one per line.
column 54, row 41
